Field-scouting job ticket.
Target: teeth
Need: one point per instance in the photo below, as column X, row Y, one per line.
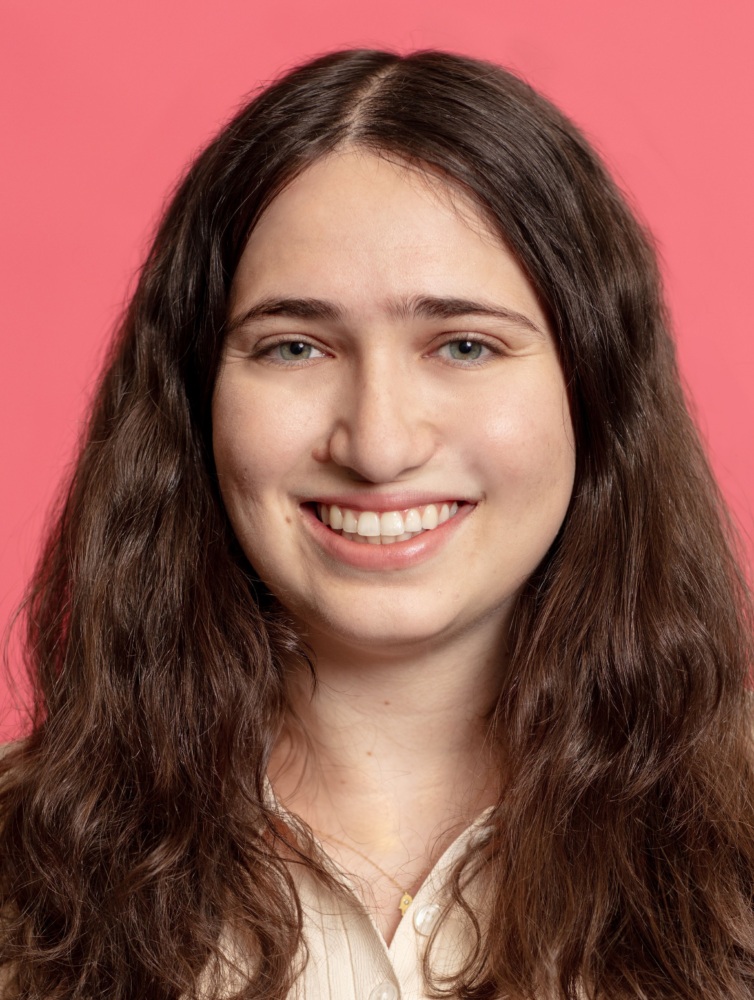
column 350, row 523
column 413, row 520
column 391, row 523
column 369, row 524
column 388, row 527
column 429, row 517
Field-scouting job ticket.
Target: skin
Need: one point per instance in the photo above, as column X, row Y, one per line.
column 384, row 401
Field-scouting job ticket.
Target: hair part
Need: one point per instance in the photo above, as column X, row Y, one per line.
column 135, row 829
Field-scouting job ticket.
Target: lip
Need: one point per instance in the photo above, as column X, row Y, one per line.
column 381, row 502
column 399, row 555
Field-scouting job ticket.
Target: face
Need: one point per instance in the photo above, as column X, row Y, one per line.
column 391, row 426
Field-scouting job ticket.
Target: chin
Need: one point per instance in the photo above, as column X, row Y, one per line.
column 389, row 631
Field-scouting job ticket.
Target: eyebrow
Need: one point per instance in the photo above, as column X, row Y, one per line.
column 414, row 307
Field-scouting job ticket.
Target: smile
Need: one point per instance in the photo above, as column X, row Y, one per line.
column 387, row 527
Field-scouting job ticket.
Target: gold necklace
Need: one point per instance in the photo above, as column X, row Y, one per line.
column 406, row 897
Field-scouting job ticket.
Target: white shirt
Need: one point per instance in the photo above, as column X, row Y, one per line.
column 348, row 956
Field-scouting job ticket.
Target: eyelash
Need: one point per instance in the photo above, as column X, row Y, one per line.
column 265, row 353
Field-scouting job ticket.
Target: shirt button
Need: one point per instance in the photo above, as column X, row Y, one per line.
column 424, row 918
column 385, row 991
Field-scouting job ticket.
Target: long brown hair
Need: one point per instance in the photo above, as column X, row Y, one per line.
column 134, row 824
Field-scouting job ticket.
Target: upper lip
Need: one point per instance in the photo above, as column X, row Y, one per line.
column 380, row 502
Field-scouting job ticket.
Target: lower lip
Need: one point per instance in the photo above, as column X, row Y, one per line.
column 399, row 555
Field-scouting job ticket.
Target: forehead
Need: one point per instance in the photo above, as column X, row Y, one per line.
column 358, row 228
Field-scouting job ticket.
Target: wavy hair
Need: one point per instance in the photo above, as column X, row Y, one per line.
column 134, row 827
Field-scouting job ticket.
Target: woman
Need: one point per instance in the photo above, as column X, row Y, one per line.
column 388, row 641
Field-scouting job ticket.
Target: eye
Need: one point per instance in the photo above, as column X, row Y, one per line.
column 290, row 351
column 464, row 349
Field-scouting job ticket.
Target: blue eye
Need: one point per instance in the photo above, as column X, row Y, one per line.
column 292, row 350
column 465, row 350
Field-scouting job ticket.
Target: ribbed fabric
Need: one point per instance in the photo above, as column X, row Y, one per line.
column 348, row 957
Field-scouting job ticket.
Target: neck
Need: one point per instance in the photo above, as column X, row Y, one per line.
column 390, row 748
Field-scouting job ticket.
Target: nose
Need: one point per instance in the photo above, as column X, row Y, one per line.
column 382, row 429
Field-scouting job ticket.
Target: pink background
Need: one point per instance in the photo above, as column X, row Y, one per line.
column 104, row 103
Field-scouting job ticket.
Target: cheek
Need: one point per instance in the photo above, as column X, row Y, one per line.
column 256, row 440
column 524, row 446
column 255, row 447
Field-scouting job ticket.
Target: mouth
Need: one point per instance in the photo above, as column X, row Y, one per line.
column 385, row 527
